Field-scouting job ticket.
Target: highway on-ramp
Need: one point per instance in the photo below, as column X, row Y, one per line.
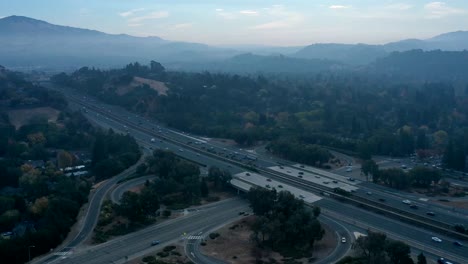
column 136, row 244
column 184, row 150
column 92, row 214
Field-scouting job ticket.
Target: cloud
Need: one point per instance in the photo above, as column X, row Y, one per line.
column 339, row 7
column 150, row 16
column 249, row 12
column 183, row 26
column 131, row 12
column 135, row 25
column 441, row 9
column 282, row 18
column 399, row 6
column 225, row 15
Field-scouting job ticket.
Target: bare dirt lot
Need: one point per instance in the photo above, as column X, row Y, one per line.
column 457, row 204
column 234, row 245
column 21, row 117
column 175, row 256
column 138, row 81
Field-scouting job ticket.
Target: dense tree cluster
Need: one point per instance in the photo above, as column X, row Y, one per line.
column 303, row 153
column 283, row 223
column 399, row 179
column 38, row 202
column 179, row 183
column 375, row 248
column 350, row 111
column 112, row 153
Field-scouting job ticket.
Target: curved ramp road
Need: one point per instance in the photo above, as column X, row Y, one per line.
column 117, row 193
column 92, row 214
column 192, row 245
column 137, row 244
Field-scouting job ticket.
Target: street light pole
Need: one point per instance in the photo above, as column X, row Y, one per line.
column 29, row 252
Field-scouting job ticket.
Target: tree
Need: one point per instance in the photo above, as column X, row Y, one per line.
column 204, row 188
column 371, row 247
column 283, row 223
column 148, row 201
column 422, row 259
column 141, row 169
column 316, row 211
column 369, row 167
column 64, row 159
column 156, row 67
column 130, row 206
column 398, row 252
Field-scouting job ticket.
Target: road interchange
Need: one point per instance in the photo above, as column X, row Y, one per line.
column 190, row 153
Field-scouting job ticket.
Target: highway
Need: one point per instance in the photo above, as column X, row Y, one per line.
column 87, row 224
column 134, row 123
column 136, row 244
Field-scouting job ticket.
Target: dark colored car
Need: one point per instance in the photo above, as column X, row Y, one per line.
column 456, row 243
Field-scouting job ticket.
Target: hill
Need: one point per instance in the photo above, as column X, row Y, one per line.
column 32, row 43
column 251, row 63
column 346, row 53
column 425, row 65
column 360, row 54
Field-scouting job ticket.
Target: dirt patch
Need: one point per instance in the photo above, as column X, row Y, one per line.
column 225, row 141
column 176, row 256
column 21, row 117
column 160, row 87
column 456, row 204
column 234, row 245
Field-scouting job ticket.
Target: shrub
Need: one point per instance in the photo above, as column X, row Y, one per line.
column 169, row 248
column 214, row 235
column 162, row 254
column 149, row 259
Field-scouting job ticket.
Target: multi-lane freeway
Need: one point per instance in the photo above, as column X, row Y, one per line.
column 121, row 249
column 236, row 160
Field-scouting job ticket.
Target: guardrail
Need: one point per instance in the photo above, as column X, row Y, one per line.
column 406, row 216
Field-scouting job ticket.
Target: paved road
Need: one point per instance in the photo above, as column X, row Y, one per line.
column 117, row 192
column 233, row 153
column 139, row 243
column 92, row 213
column 415, row 237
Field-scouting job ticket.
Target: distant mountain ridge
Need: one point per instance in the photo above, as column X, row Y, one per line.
column 363, row 54
column 252, row 63
column 36, row 43
column 32, row 43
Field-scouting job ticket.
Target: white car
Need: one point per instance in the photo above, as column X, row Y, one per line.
column 406, row 201
column 343, row 240
column 436, row 239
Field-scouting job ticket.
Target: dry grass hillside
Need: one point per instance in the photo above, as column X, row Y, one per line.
column 138, row 81
column 21, row 117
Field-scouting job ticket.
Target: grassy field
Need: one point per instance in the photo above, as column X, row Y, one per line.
column 21, row 117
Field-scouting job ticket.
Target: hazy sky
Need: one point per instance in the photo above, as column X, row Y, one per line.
column 265, row 22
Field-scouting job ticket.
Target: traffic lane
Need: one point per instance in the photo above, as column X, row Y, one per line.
column 139, row 242
column 164, row 145
column 395, row 198
column 123, row 187
column 404, row 230
column 354, row 229
column 92, row 213
column 342, row 249
column 395, row 203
